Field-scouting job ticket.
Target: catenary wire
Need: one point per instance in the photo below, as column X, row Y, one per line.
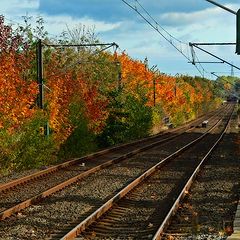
column 156, row 29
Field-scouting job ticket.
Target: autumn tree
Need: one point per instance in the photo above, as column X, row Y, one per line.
column 17, row 92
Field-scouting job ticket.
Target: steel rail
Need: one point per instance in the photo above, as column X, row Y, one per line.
column 8, row 212
column 43, row 173
column 12, row 210
column 104, row 208
column 187, row 186
column 16, row 182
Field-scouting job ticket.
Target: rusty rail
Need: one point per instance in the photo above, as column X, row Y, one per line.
column 40, row 174
column 8, row 212
column 103, row 209
column 186, row 188
column 35, row 199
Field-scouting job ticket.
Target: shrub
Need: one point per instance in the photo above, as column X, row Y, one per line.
column 26, row 147
column 129, row 118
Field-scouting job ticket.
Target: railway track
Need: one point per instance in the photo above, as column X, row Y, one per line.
column 150, row 200
column 207, row 211
column 65, row 165
column 41, row 220
column 23, row 192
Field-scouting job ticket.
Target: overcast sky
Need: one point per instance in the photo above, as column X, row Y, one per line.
column 114, row 21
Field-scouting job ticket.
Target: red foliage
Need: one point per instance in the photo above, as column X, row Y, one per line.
column 17, row 94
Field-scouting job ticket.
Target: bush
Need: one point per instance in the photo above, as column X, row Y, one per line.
column 81, row 141
column 26, row 147
column 129, row 119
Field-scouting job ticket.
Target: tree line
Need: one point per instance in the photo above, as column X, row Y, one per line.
column 92, row 99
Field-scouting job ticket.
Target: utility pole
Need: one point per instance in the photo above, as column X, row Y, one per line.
column 119, row 75
column 154, row 71
column 40, row 74
column 232, row 71
column 221, row 6
column 39, row 46
column 176, row 83
column 154, row 91
column 237, row 25
column 40, row 99
column 238, row 33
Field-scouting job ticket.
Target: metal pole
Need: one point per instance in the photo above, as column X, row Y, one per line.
column 81, row 45
column 214, row 43
column 154, row 91
column 214, row 56
column 207, row 62
column 40, row 74
column 214, row 74
column 223, row 7
column 119, row 79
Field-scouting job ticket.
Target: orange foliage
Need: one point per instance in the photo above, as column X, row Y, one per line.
column 134, row 74
column 172, row 93
column 17, row 95
column 65, row 88
column 95, row 105
column 59, row 89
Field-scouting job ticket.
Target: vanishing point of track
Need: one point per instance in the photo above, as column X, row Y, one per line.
column 21, row 193
column 108, row 157
column 145, row 204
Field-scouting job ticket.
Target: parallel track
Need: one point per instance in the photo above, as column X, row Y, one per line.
column 47, row 182
column 208, row 209
column 142, row 210
column 114, row 150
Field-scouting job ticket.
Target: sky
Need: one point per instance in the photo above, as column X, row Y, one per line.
column 114, row 21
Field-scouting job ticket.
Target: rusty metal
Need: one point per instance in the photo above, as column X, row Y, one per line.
column 104, row 208
column 14, row 183
column 28, row 202
column 186, row 188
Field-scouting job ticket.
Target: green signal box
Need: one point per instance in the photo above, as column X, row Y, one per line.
column 238, row 33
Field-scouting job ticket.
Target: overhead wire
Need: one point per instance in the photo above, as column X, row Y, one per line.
column 151, row 24
column 96, row 52
column 139, row 13
column 203, row 69
column 170, row 41
column 144, row 9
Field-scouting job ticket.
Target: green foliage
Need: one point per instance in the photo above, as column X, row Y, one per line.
column 179, row 118
column 28, row 147
column 157, row 118
column 157, row 115
column 129, row 119
column 81, row 141
column 140, row 117
column 226, row 85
